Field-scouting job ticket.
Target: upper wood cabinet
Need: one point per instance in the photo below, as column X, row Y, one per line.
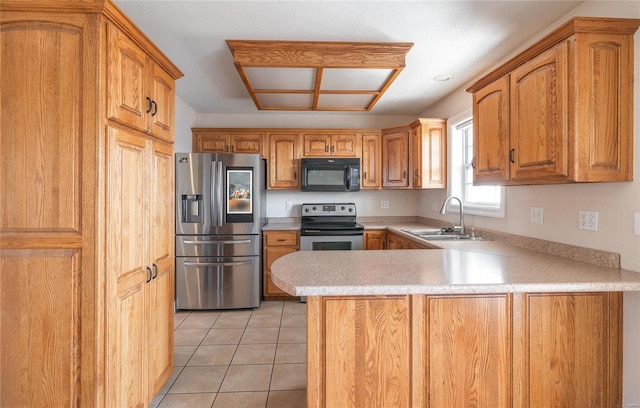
column 561, row 111
column 284, row 161
column 140, row 93
column 336, row 145
column 429, row 153
column 395, row 158
column 208, row 140
column 371, row 163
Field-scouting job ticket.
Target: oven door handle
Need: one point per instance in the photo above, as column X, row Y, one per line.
column 217, row 263
column 244, row 241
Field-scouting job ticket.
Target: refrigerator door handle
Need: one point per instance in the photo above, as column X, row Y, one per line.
column 217, row 263
column 220, row 191
column 214, row 214
column 244, row 241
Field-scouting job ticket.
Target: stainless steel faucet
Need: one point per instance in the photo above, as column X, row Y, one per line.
column 443, row 211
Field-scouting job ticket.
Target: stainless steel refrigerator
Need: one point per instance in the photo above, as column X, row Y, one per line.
column 220, row 211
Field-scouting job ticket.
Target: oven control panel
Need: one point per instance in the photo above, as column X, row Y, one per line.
column 329, row 209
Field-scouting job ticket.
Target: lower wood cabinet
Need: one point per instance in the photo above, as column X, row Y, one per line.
column 375, row 239
column 276, row 245
column 397, row 241
column 522, row 350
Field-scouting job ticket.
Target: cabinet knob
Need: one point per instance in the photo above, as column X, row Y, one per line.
column 155, row 271
column 511, row 152
column 155, row 108
column 149, row 274
column 365, row 175
column 404, row 174
column 473, row 163
column 149, row 105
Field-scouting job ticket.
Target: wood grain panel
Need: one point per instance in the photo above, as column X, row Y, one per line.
column 162, row 202
column 346, row 145
column 160, row 337
column 367, row 360
column 316, row 145
column 469, row 351
column 491, row 133
column 371, row 163
column 539, row 130
column 565, row 354
column 162, row 92
column 40, row 163
column 283, row 161
column 395, row 159
column 40, row 319
column 127, row 81
column 247, row 143
column 605, row 107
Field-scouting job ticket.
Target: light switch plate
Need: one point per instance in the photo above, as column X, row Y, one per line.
column 636, row 223
column 384, row 204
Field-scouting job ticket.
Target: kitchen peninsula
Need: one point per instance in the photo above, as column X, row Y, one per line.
column 473, row 324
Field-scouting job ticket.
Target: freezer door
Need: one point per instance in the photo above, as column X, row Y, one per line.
column 218, row 245
column 217, row 283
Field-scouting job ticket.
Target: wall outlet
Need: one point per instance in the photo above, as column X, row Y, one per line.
column 434, row 205
column 384, row 204
column 636, row 224
column 289, row 205
column 537, row 215
column 588, row 220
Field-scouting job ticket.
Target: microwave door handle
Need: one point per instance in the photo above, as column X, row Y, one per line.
column 348, row 177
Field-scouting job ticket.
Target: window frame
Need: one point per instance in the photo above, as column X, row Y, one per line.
column 457, row 182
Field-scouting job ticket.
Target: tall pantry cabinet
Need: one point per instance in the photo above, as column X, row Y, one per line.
column 86, row 211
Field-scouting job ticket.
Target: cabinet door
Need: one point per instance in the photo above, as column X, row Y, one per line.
column 567, row 350
column 211, row 143
column 284, row 167
column 416, row 157
column 539, row 127
column 371, row 164
column 317, row 145
column 127, row 248
column 395, row 159
column 491, row 133
column 469, row 352
column 161, row 287
column 359, row 352
column 271, row 254
column 375, row 239
column 128, row 101
column 345, row 145
column 249, row 143
column 162, row 93
column 434, row 152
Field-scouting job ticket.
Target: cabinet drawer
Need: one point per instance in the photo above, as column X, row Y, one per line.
column 282, row 238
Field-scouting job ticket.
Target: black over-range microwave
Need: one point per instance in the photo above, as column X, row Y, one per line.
column 340, row 174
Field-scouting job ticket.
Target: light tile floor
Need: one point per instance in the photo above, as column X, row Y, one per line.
column 239, row 358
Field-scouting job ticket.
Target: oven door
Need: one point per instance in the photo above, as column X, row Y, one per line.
column 331, row 243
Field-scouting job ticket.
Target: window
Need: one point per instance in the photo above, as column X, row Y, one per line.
column 478, row 200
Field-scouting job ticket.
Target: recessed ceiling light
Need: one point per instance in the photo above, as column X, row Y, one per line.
column 443, row 77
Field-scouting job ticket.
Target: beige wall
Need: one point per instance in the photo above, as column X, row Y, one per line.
column 615, row 202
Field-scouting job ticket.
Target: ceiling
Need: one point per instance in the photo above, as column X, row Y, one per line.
column 459, row 38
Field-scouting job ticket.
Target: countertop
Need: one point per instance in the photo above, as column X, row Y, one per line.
column 457, row 267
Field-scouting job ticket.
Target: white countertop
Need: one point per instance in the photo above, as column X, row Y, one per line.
column 461, row 267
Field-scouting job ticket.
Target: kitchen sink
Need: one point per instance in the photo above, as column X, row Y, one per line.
column 437, row 235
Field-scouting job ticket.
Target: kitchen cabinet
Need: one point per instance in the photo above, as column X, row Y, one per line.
column 375, row 239
column 334, row 145
column 87, row 329
column 539, row 119
column 276, row 245
column 395, row 158
column 208, row 140
column 486, row 350
column 140, row 92
column 371, row 163
column 397, row 241
column 429, row 153
column 140, row 312
column 284, row 161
